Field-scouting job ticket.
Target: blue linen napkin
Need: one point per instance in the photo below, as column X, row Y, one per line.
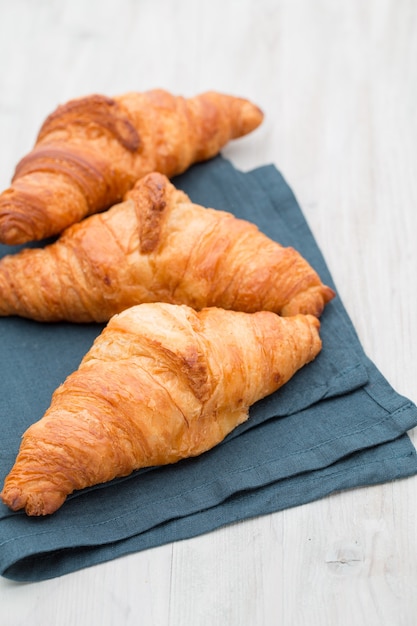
column 337, row 424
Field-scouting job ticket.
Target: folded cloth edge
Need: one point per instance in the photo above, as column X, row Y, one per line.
column 397, row 461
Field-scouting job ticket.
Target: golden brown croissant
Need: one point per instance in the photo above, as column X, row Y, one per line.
column 90, row 151
column 158, row 246
column 161, row 383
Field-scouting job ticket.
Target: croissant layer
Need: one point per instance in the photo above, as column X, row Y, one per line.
column 158, row 246
column 91, row 150
column 161, row 383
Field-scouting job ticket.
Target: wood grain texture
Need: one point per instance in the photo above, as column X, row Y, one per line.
column 338, row 85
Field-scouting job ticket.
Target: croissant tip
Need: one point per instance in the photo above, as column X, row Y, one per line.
column 245, row 115
column 34, row 504
column 13, row 498
column 16, row 221
column 11, row 235
column 248, row 117
column 10, row 232
column 153, row 177
column 332, row 293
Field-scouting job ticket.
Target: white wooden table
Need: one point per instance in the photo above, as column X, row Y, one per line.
column 337, row 80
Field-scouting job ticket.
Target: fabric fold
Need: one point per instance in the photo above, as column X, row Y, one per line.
column 337, row 424
column 390, row 461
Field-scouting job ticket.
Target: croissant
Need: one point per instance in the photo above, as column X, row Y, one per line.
column 158, row 246
column 90, row 151
column 161, row 383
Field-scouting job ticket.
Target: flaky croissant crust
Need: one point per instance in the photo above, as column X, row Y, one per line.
column 161, row 383
column 158, row 246
column 90, row 151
